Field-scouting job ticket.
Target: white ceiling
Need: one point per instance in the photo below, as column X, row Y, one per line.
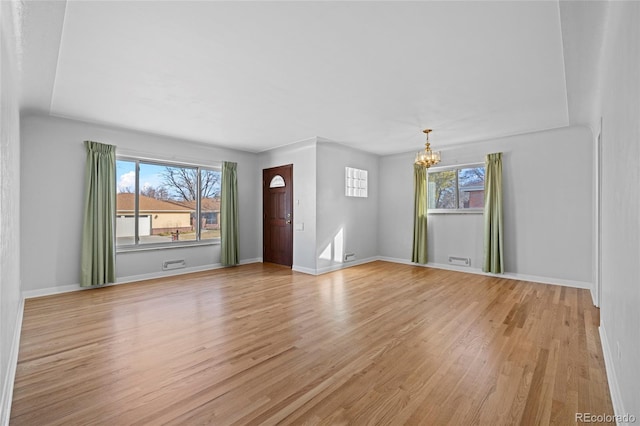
column 256, row 75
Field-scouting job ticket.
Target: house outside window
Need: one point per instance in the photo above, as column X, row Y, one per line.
column 166, row 204
column 456, row 189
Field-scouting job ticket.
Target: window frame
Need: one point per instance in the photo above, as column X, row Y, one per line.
column 457, row 209
column 136, row 246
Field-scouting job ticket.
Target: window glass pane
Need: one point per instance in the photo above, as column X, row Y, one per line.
column 125, row 202
column 167, row 203
column 210, row 204
column 277, row 182
column 471, row 188
column 442, row 190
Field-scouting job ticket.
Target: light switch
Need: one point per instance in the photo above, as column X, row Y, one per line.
column 300, row 226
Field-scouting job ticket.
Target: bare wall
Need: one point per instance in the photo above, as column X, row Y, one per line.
column 620, row 229
column 10, row 287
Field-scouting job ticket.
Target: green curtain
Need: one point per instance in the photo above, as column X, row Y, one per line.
column 229, row 215
column 493, row 233
column 98, row 256
column 420, row 215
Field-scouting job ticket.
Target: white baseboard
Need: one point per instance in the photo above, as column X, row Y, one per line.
column 253, row 260
column 303, row 270
column 134, row 278
column 508, row 275
column 163, row 274
column 338, row 266
column 398, row 260
column 612, row 378
column 28, row 294
column 546, row 280
column 334, row 267
column 12, row 365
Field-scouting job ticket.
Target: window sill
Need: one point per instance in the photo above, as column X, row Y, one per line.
column 150, row 247
column 455, row 211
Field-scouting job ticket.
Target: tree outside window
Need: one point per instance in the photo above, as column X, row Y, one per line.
column 456, row 188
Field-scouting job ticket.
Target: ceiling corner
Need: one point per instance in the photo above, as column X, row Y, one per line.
column 583, row 30
column 42, row 26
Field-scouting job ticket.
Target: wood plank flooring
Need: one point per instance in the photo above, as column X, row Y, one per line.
column 379, row 343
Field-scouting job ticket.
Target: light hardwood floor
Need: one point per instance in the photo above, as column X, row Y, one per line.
column 259, row 344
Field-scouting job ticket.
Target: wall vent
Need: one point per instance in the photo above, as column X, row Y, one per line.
column 460, row 261
column 348, row 257
column 168, row 265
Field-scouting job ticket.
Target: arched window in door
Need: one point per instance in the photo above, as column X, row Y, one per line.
column 277, row 182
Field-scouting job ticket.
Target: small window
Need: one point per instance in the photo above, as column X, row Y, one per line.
column 356, row 182
column 456, row 189
column 277, row 182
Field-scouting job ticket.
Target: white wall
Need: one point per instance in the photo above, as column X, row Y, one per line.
column 395, row 206
column 10, row 298
column 53, row 161
column 303, row 157
column 620, row 266
column 347, row 222
column 547, row 207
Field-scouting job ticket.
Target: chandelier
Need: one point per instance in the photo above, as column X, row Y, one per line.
column 427, row 158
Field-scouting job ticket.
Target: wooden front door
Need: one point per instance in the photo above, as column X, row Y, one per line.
column 277, row 215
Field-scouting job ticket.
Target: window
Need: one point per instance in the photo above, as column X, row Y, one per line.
column 456, row 188
column 166, row 204
column 355, row 182
column 277, row 182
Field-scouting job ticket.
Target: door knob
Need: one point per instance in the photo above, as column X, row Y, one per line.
column 288, row 221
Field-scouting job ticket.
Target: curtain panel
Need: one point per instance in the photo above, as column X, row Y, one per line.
column 229, row 215
column 493, row 229
column 98, row 257
column 419, row 254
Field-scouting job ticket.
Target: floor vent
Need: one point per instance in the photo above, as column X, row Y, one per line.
column 168, row 265
column 460, row 261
